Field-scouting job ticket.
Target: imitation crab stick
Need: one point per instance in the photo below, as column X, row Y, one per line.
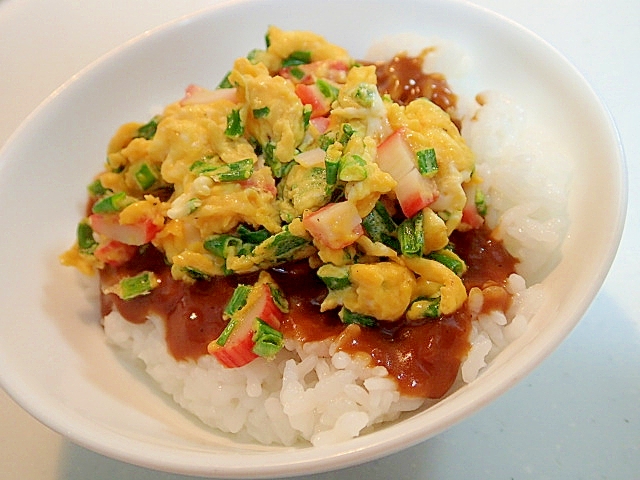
column 137, row 233
column 335, row 225
column 255, row 314
column 414, row 190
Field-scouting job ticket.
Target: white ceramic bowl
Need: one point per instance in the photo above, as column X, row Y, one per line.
column 53, row 357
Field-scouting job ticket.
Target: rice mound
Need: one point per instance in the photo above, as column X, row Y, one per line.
column 310, row 393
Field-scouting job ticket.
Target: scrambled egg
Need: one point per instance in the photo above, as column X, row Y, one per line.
column 296, row 155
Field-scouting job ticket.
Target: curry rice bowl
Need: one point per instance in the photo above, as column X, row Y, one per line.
column 311, row 392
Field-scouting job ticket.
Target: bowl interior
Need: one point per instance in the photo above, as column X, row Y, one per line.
column 53, row 357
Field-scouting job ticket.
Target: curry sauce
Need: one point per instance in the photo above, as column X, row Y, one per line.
column 423, row 357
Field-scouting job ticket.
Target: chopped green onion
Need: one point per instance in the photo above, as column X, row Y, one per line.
column 267, row 340
column 411, row 236
column 84, row 233
column 348, row 317
column 424, row 307
column 141, row 284
column 228, row 172
column 270, row 152
column 427, row 162
column 254, row 54
column 325, row 141
column 283, row 244
column 279, row 298
column 234, row 124
column 365, row 95
column 278, row 168
column 226, row 333
column 299, row 57
column 112, row 203
column 332, row 169
column 221, row 245
column 148, row 130
column 192, row 205
column 481, row 202
column 261, row 112
column 307, row 110
column 352, row 168
column 326, row 89
column 347, row 133
column 297, row 73
column 225, row 83
column 450, row 260
column 196, row 274
column 96, row 188
column 334, row 277
column 145, row 177
column 380, row 226
column 237, row 301
column 252, row 236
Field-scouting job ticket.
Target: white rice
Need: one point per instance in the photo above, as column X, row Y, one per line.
column 312, row 394
column 304, row 394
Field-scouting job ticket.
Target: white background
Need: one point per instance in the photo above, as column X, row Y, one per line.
column 575, row 417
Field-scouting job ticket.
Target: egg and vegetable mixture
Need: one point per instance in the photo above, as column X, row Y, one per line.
column 296, row 157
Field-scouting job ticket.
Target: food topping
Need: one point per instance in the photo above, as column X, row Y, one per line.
column 309, row 196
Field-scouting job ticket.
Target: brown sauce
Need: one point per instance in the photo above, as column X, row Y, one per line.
column 424, row 358
column 403, row 79
column 488, row 262
column 192, row 313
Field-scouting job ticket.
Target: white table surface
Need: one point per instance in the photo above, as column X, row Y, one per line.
column 577, row 416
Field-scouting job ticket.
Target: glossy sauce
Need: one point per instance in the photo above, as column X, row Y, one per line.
column 424, row 357
column 403, row 79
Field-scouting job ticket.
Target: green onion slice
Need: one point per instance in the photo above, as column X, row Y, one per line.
column 226, row 333
column 228, row 172
column 141, row 284
column 348, row 317
column 225, row 83
column 96, row 189
column 145, row 177
column 148, row 130
column 252, row 236
column 267, row 340
column 427, row 162
column 235, row 128
column 365, row 95
column 84, row 233
column 380, row 226
column 237, row 301
column 411, row 236
column 481, row 202
column 327, row 89
column 223, row 245
column 279, row 298
column 261, row 112
column 332, row 169
column 450, row 260
column 112, row 203
column 334, row 277
column 299, row 57
column 424, row 307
